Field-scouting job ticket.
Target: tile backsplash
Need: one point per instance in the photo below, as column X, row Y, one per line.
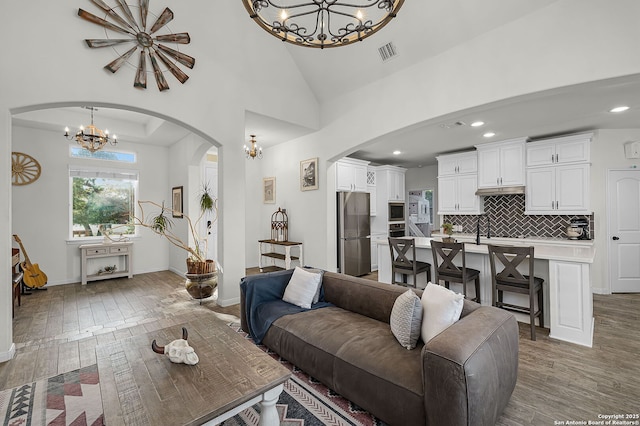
column 506, row 213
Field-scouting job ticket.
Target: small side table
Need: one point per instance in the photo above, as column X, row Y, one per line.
column 268, row 248
column 121, row 251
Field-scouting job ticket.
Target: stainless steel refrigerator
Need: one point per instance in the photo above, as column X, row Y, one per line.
column 354, row 233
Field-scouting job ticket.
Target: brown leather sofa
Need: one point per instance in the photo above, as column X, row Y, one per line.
column 463, row 376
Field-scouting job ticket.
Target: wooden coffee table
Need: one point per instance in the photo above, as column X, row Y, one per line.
column 141, row 387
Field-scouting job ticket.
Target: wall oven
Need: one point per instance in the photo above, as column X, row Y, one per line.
column 396, row 212
column 396, row 230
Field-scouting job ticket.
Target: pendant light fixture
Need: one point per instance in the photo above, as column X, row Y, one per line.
column 322, row 23
column 91, row 138
column 253, row 151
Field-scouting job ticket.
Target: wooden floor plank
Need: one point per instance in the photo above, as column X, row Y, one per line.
column 557, row 381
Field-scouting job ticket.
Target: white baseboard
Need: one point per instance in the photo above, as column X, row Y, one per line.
column 228, row 302
column 600, row 291
column 7, row 356
column 177, row 271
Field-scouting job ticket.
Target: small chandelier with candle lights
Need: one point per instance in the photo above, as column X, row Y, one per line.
column 91, row 138
column 322, row 23
column 253, row 151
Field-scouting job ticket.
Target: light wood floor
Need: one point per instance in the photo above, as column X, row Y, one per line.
column 57, row 331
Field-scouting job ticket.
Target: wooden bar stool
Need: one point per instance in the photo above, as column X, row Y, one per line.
column 445, row 270
column 510, row 279
column 402, row 264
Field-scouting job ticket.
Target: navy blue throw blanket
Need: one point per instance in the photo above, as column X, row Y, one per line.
column 264, row 304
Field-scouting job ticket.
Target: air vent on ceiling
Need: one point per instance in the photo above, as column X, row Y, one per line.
column 387, row 52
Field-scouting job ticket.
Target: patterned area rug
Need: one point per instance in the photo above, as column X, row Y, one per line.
column 69, row 399
column 74, row 399
column 306, row 402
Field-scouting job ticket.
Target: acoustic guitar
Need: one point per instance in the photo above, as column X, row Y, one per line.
column 33, row 276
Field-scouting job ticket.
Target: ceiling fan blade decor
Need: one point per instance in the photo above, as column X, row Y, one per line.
column 109, row 11
column 101, row 42
column 157, row 72
column 96, row 20
column 127, row 13
column 141, row 74
column 123, row 19
column 177, row 72
column 185, row 60
column 165, row 17
column 180, row 38
column 144, row 11
column 115, row 65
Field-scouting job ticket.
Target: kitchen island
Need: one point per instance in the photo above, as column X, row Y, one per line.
column 564, row 265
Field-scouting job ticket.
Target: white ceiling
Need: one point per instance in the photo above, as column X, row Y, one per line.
column 568, row 110
column 434, row 27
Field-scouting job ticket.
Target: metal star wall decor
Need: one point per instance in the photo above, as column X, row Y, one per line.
column 149, row 44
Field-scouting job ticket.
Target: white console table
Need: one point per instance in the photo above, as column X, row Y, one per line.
column 267, row 248
column 90, row 253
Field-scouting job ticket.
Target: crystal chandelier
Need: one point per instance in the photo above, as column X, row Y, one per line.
column 322, row 23
column 253, row 151
column 91, row 138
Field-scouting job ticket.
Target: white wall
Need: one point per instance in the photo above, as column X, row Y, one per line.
column 212, row 103
column 569, row 42
column 607, row 153
column 581, row 41
column 41, row 210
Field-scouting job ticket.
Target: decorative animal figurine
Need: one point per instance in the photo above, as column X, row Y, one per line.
column 178, row 351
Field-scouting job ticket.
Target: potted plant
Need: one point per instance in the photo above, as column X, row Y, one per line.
column 201, row 272
column 160, row 223
column 447, row 228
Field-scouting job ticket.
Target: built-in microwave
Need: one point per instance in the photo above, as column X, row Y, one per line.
column 396, row 212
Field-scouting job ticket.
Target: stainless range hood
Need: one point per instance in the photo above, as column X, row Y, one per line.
column 505, row 190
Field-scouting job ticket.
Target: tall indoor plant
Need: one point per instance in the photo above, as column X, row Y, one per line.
column 201, row 272
column 160, row 222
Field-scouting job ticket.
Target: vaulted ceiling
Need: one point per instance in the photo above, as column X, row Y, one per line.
column 422, row 29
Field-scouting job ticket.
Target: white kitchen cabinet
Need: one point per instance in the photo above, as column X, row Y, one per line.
column 558, row 190
column 457, row 195
column 454, row 164
column 374, row 249
column 571, row 302
column 501, row 164
column 457, row 191
column 391, row 178
column 351, row 175
column 563, row 150
column 372, row 190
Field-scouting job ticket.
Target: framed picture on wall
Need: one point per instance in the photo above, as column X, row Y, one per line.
column 309, row 174
column 176, row 201
column 269, row 190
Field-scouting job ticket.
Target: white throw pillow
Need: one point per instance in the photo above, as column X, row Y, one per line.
column 316, row 298
column 302, row 288
column 406, row 317
column 441, row 307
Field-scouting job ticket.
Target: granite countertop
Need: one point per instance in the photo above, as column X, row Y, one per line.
column 582, row 251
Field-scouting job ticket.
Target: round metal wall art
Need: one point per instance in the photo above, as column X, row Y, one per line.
column 24, row 169
column 132, row 26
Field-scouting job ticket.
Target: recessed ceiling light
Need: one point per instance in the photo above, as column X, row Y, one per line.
column 619, row 109
column 489, row 135
column 397, row 152
column 477, row 124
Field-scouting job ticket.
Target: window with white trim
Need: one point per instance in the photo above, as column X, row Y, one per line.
column 101, row 199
